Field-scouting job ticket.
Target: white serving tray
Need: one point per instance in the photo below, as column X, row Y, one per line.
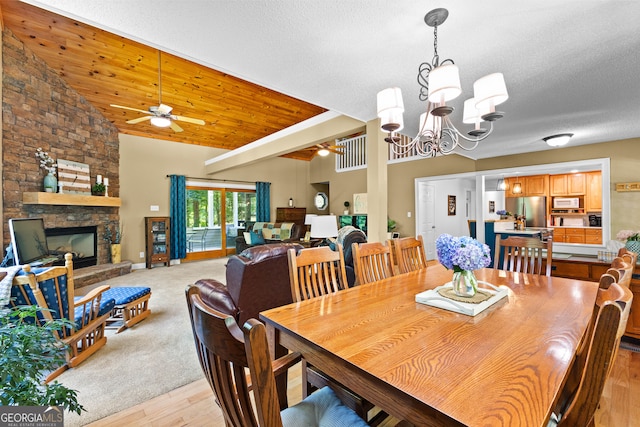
column 434, row 299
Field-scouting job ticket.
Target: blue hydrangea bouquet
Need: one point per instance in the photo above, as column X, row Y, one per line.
column 463, row 255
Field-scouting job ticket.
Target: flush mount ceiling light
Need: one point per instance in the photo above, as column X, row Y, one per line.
column 440, row 82
column 558, row 140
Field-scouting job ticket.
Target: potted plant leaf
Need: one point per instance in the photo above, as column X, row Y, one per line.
column 28, row 352
column 98, row 189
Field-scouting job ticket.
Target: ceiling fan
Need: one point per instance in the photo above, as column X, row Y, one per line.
column 324, row 149
column 160, row 115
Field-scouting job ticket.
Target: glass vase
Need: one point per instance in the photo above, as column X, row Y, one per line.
column 50, row 183
column 465, row 283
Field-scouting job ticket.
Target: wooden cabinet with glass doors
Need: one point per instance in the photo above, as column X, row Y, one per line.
column 158, row 239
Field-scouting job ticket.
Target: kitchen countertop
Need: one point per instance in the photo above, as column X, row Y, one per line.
column 529, row 231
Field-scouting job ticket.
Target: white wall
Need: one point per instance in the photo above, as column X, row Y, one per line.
column 456, row 225
column 496, row 196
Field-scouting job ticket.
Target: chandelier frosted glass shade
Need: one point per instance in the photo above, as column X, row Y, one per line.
column 440, row 83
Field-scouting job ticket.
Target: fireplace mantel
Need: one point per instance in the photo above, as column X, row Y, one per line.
column 33, row 198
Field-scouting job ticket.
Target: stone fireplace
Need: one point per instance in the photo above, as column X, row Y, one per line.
column 81, row 242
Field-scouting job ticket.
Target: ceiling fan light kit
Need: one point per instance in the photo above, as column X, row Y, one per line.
column 160, row 115
column 440, row 82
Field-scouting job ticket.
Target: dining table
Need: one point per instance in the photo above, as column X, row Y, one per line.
column 430, row 366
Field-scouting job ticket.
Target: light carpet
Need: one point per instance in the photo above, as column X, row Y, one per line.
column 153, row 357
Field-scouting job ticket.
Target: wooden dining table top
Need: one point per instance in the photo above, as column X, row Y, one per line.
column 504, row 367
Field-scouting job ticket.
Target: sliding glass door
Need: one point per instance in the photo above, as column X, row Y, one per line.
column 214, row 216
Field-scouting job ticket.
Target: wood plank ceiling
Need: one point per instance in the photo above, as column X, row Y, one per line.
column 109, row 69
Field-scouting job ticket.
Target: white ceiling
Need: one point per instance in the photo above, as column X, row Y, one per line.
column 570, row 66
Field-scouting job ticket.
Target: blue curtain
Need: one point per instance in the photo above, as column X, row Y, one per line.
column 263, row 204
column 178, row 214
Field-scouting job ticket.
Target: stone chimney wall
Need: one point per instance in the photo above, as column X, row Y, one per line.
column 41, row 110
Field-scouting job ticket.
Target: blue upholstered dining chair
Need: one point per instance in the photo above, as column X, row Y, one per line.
column 52, row 289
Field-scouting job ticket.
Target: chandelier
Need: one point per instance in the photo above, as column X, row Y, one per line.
column 440, row 82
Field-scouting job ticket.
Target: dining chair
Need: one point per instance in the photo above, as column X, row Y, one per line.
column 622, row 271
column 523, row 255
column 372, row 262
column 409, row 254
column 628, row 256
column 593, row 366
column 226, row 350
column 314, row 272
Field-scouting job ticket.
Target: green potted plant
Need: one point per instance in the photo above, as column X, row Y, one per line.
column 391, row 225
column 98, row 189
column 28, row 352
column 114, row 238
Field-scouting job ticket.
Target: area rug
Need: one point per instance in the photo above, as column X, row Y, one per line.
column 153, row 357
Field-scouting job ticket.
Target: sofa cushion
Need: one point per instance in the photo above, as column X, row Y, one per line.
column 255, row 238
column 261, row 253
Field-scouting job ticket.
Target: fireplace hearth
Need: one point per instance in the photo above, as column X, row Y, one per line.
column 81, row 242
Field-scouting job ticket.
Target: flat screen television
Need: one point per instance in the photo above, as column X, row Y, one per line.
column 28, row 240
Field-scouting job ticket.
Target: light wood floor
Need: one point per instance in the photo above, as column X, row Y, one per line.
column 193, row 404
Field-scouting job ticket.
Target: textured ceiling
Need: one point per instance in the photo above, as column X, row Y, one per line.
column 570, row 66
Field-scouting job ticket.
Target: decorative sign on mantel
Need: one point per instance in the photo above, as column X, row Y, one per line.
column 74, row 177
column 628, row 186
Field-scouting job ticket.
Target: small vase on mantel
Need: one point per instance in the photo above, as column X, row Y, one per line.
column 115, row 253
column 50, row 183
column 465, row 283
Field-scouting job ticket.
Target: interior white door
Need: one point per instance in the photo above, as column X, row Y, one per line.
column 426, row 218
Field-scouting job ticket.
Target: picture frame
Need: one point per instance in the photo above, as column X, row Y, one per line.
column 360, row 203
column 451, row 205
column 492, row 206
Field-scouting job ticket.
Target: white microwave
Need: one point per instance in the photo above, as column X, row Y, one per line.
column 566, row 202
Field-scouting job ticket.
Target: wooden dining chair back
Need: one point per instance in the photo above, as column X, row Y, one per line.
column 523, row 255
column 611, row 312
column 623, row 269
column 226, row 351
column 628, row 256
column 409, row 254
column 314, row 272
column 372, row 262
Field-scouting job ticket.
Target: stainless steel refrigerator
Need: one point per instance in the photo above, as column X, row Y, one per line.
column 532, row 208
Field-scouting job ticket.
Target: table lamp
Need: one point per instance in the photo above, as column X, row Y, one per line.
column 307, row 223
column 324, row 226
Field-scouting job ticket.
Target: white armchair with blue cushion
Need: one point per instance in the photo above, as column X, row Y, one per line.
column 52, row 289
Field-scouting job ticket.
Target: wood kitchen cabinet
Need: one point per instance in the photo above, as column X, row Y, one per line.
column 558, row 235
column 593, row 200
column 593, row 236
column 574, row 235
column 572, row 184
column 536, row 185
column 158, row 239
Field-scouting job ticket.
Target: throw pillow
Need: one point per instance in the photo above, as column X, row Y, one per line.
column 257, row 239
column 247, row 237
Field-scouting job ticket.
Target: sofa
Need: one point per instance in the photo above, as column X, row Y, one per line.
column 257, row 280
column 260, row 233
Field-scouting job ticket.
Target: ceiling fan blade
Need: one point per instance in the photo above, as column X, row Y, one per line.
column 129, row 108
column 138, row 120
column 335, row 151
column 175, row 127
column 188, row 120
column 164, row 109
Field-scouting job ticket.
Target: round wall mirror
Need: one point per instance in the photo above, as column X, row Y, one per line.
column 321, row 201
